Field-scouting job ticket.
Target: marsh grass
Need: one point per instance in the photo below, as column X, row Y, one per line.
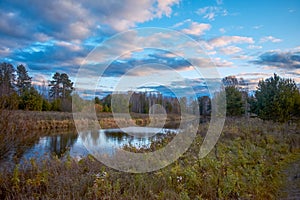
column 246, row 163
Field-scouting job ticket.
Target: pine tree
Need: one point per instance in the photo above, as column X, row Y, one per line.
column 61, row 86
column 23, row 79
column 66, row 86
column 7, row 79
column 276, row 98
column 55, row 86
column 234, row 101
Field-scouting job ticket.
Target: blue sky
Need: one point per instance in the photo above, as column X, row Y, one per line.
column 249, row 39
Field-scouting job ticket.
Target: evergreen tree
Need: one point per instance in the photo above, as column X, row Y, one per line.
column 204, row 105
column 55, row 86
column 7, row 79
column 46, row 105
column 23, row 79
column 276, row 98
column 31, row 100
column 56, row 105
column 66, row 86
column 61, row 86
column 234, row 101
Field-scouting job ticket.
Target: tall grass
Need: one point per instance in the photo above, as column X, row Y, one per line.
column 21, row 128
column 246, row 164
column 12, row 132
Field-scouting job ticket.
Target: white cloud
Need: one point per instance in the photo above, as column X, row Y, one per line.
column 40, row 79
column 230, row 50
column 181, row 23
column 164, row 7
column 296, row 48
column 197, row 29
column 254, row 74
column 210, row 12
column 242, row 57
column 222, row 30
column 69, row 45
column 211, row 52
column 270, row 39
column 41, row 37
column 4, row 51
column 219, row 62
column 254, row 47
column 69, row 20
column 227, row 40
column 219, row 2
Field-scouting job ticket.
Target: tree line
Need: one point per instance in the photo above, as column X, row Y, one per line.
column 142, row 102
column 275, row 98
column 18, row 92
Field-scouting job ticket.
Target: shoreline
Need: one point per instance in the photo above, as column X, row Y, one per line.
column 48, row 120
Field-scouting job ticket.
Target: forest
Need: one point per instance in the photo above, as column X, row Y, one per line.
column 275, row 98
column 18, row 92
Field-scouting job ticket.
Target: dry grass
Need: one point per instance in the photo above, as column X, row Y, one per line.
column 245, row 164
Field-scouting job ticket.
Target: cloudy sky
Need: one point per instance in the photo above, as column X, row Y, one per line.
column 249, row 39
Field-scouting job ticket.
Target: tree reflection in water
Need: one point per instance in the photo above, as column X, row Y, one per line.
column 59, row 144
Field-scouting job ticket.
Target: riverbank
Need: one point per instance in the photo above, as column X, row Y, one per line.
column 20, row 128
column 247, row 163
column 34, row 120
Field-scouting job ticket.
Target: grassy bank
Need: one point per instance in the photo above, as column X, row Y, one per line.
column 35, row 120
column 246, row 163
column 21, row 128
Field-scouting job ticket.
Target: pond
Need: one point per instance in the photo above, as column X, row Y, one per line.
column 107, row 140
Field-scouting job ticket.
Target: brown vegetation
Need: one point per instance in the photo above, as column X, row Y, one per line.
column 245, row 164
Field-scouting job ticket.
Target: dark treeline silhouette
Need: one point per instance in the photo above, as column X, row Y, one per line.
column 18, row 92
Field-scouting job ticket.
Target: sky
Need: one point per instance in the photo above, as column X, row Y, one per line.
column 152, row 44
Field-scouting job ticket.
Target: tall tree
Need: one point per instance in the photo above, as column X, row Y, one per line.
column 204, row 105
column 234, row 101
column 66, row 86
column 23, row 79
column 7, row 79
column 55, row 86
column 276, row 98
column 61, row 86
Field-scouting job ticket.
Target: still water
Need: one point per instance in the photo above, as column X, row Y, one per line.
column 107, row 140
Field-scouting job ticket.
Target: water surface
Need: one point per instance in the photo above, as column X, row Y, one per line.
column 105, row 140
